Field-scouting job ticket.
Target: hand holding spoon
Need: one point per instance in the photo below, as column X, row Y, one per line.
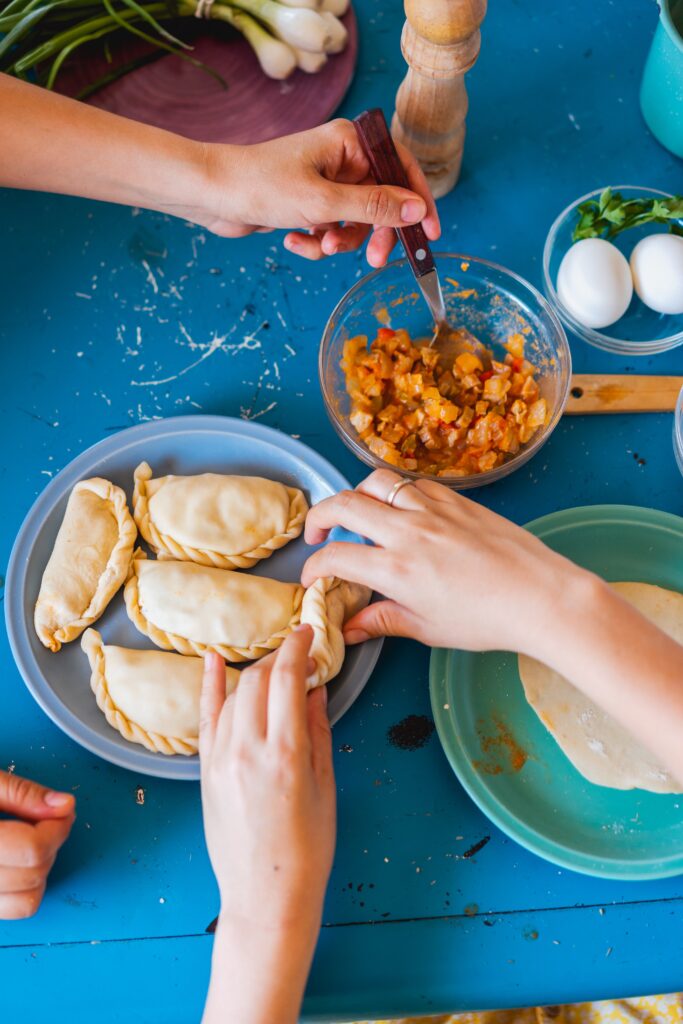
column 387, row 169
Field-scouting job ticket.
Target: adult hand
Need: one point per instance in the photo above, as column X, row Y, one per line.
column 28, row 846
column 455, row 574
column 269, row 814
column 318, row 181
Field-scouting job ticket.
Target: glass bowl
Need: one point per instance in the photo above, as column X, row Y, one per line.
column 488, row 300
column 678, row 431
column 640, row 331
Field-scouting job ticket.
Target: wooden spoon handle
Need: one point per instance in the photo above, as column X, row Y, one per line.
column 611, row 392
column 387, row 169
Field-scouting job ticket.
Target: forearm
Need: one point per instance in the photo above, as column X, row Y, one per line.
column 258, row 975
column 622, row 661
column 54, row 144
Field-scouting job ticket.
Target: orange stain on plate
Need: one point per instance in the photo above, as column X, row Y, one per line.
column 503, row 752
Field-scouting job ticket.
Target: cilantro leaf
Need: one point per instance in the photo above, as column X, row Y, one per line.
column 611, row 214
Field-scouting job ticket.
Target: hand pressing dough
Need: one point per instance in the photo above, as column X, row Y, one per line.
column 327, row 605
column 88, row 564
column 598, row 746
column 230, row 522
column 150, row 697
column 195, row 608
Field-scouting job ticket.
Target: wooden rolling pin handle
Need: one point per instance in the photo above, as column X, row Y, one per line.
column 605, row 393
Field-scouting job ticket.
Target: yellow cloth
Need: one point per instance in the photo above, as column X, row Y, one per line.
column 644, row 1010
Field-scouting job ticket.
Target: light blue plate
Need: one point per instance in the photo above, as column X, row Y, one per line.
column 191, row 444
column 487, row 729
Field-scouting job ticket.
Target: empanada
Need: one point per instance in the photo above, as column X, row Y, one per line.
column 88, row 564
column 194, row 608
column 230, row 522
column 150, row 697
column 327, row 605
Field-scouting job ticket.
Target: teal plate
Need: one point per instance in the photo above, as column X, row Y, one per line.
column 507, row 761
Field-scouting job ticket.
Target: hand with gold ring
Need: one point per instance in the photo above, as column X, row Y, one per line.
column 453, row 573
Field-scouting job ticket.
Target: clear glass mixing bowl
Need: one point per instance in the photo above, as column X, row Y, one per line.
column 488, row 300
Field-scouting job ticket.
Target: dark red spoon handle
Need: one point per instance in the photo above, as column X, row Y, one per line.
column 387, row 169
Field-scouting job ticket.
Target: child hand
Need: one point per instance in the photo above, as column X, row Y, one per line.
column 455, row 574
column 268, row 785
column 28, row 847
column 269, row 813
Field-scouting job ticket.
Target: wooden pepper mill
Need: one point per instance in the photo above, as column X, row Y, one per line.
column 440, row 42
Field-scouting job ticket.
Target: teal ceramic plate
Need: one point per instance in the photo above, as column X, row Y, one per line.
column 507, row 761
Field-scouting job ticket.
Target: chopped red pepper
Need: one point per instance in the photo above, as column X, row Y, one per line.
column 385, row 332
column 486, row 375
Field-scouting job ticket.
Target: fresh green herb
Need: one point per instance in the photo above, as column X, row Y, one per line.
column 611, row 213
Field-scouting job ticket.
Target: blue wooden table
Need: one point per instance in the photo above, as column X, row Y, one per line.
column 109, row 318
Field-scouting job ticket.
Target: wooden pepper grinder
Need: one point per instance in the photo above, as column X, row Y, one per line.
column 440, row 42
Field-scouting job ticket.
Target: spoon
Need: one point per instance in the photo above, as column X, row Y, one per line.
column 387, row 169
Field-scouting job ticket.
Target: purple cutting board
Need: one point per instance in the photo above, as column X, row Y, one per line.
column 173, row 94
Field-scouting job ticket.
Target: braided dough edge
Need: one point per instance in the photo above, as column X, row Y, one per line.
column 115, row 571
column 166, row 547
column 183, row 645
column 326, row 606
column 91, row 643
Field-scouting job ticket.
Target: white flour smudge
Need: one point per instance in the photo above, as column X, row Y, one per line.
column 150, row 277
column 214, row 345
column 247, row 414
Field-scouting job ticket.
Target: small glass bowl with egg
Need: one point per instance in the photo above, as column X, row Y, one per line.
column 598, row 292
column 678, row 431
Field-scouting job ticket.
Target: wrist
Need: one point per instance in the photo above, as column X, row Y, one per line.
column 216, row 183
column 574, row 600
column 274, row 927
column 259, row 971
column 176, row 180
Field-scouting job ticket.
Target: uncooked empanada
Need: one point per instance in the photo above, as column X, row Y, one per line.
column 194, row 608
column 150, row 697
column 327, row 605
column 88, row 564
column 230, row 522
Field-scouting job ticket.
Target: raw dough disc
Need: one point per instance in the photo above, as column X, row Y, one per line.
column 601, row 749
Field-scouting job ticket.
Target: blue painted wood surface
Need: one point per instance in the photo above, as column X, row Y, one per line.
column 110, row 317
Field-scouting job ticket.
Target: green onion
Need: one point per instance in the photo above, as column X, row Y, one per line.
column 277, row 59
column 298, row 26
column 38, row 36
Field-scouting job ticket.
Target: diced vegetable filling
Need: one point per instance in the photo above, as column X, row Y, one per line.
column 416, row 413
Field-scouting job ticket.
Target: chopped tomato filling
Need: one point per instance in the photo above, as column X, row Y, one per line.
column 417, row 413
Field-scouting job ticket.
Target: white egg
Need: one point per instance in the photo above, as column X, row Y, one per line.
column 594, row 282
column 657, row 268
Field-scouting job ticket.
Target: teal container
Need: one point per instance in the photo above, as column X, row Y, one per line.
column 661, row 92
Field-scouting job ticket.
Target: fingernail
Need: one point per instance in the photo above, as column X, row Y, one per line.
column 412, row 211
column 53, row 799
column 356, row 636
column 310, row 666
column 291, row 243
column 324, row 696
column 301, row 627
